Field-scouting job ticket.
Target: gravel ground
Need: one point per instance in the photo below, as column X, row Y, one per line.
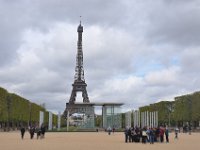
column 92, row 141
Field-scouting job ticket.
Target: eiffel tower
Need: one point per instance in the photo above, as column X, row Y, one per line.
column 86, row 108
column 79, row 84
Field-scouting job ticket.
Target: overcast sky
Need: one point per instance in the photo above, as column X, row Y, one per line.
column 135, row 51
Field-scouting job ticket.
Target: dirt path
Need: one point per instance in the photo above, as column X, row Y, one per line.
column 92, row 141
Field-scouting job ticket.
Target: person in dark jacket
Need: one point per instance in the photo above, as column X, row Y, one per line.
column 151, row 135
column 38, row 132
column 126, row 135
column 43, row 130
column 22, row 130
column 32, row 131
column 167, row 134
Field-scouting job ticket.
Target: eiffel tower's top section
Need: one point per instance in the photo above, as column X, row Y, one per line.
column 80, row 28
column 79, row 71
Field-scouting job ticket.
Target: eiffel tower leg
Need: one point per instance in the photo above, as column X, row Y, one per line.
column 85, row 96
column 73, row 97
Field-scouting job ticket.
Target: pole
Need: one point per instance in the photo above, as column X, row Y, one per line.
column 156, row 118
column 190, row 115
column 150, row 121
column 147, row 119
column 67, row 120
column 139, row 118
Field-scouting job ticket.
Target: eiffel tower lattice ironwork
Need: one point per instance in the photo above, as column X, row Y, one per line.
column 79, row 84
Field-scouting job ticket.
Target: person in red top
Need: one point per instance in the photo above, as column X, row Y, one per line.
column 162, row 131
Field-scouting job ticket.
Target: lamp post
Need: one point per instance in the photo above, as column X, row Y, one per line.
column 30, row 113
column 190, row 114
column 8, row 110
column 170, row 111
column 67, row 120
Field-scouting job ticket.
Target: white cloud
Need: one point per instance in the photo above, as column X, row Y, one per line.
column 163, row 77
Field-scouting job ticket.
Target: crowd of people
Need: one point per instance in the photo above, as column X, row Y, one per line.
column 145, row 135
column 39, row 131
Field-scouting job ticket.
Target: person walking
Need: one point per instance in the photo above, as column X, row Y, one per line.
column 129, row 134
column 176, row 132
column 43, row 130
column 126, row 135
column 109, row 130
column 22, row 130
column 32, row 131
column 38, row 132
column 167, row 135
column 113, row 130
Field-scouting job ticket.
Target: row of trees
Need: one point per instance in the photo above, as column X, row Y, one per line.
column 16, row 110
column 183, row 110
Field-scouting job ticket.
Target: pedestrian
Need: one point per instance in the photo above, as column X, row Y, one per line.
column 126, row 135
column 43, row 130
column 32, row 131
column 109, row 130
column 144, row 135
column 151, row 136
column 113, row 130
column 129, row 134
column 176, row 132
column 157, row 134
column 22, row 132
column 132, row 134
column 38, row 132
column 162, row 134
column 167, row 135
column 190, row 129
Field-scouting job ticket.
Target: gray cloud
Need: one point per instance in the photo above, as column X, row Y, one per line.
column 136, row 52
column 175, row 22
